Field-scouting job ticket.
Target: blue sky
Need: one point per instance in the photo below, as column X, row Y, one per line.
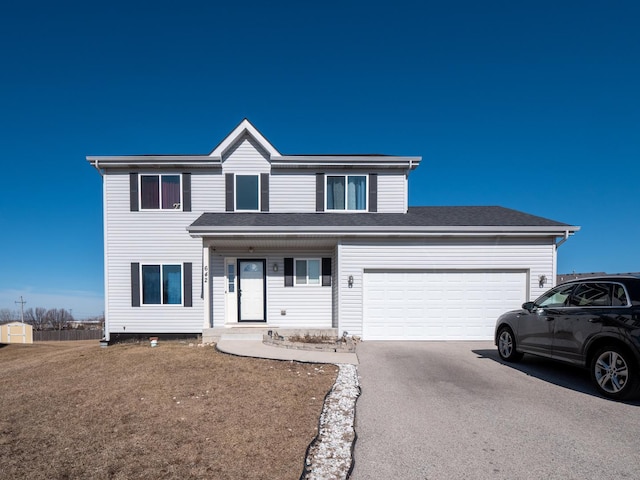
column 532, row 105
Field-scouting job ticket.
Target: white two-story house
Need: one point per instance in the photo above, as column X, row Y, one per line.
column 247, row 236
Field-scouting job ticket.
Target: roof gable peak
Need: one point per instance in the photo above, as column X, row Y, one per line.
column 244, row 127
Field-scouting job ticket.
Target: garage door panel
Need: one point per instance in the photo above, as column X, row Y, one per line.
column 423, row 305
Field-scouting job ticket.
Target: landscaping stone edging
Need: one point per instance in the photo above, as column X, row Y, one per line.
column 330, row 454
column 341, row 346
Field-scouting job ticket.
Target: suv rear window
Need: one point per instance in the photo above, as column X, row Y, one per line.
column 619, row 296
column 591, row 295
column 594, row 294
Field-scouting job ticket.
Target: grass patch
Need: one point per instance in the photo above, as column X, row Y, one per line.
column 75, row 410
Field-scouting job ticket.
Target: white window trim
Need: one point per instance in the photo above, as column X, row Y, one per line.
column 295, row 272
column 235, row 191
column 345, row 175
column 160, row 175
column 151, row 264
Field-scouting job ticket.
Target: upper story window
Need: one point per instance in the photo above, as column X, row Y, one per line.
column 347, row 192
column 248, row 192
column 160, row 192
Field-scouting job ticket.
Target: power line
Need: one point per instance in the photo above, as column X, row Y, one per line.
column 21, row 302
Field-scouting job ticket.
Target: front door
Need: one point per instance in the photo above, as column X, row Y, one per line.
column 251, row 291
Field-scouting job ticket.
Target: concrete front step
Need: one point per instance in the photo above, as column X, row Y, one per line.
column 213, row 335
column 241, row 336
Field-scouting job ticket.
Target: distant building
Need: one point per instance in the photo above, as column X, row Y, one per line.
column 566, row 277
column 16, row 332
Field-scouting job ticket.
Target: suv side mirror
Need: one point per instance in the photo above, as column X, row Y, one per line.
column 528, row 306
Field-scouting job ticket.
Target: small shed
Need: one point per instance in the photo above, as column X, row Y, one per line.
column 16, row 332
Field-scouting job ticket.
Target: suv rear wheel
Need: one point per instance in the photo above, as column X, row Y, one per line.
column 614, row 372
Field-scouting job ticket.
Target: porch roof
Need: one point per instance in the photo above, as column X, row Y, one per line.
column 417, row 221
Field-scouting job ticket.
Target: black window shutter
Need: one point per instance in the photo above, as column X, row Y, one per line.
column 135, row 284
column 373, row 192
column 319, row 192
column 326, row 272
column 133, row 192
column 186, row 192
column 187, row 269
column 228, row 183
column 288, row 272
column 264, row 192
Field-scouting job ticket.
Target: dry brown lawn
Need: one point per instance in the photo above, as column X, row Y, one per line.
column 74, row 410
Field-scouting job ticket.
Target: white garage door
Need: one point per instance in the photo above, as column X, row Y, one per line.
column 443, row 305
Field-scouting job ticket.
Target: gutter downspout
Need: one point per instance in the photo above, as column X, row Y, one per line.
column 566, row 237
column 97, row 167
column 555, row 256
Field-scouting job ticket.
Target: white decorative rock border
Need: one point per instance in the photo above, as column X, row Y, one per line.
column 330, row 455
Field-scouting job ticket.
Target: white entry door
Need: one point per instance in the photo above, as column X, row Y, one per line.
column 251, row 292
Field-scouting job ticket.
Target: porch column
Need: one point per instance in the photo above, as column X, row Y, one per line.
column 206, row 296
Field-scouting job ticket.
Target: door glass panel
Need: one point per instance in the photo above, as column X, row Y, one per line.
column 231, row 278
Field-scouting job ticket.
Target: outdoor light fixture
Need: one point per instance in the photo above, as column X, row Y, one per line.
column 350, row 281
column 542, row 279
column 250, row 249
column 275, row 267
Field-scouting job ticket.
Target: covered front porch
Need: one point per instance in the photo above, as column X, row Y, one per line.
column 252, row 285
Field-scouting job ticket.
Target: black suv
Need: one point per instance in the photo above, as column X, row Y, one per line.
column 592, row 322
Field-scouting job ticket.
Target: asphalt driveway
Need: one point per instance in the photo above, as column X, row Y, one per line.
column 453, row 410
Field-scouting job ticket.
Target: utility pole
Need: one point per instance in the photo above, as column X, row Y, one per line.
column 21, row 302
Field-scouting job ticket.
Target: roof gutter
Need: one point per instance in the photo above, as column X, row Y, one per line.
column 157, row 161
column 196, row 231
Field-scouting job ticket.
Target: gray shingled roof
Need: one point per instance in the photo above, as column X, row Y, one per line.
column 416, row 217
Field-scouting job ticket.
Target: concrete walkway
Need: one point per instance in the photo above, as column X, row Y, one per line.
column 252, row 346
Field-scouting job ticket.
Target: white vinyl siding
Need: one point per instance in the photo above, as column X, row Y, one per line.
column 392, row 193
column 292, row 192
column 150, row 237
column 246, row 157
column 536, row 256
column 207, row 191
